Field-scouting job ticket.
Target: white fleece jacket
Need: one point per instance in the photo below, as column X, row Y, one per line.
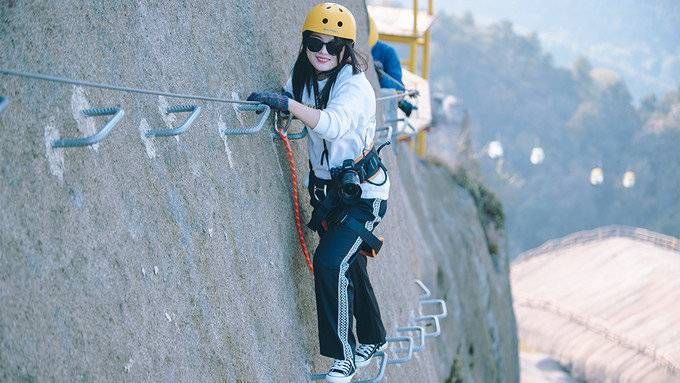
column 348, row 126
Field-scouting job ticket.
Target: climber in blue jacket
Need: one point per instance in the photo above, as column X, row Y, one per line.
column 388, row 66
column 386, row 60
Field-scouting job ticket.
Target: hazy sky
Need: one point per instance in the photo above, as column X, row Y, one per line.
column 639, row 39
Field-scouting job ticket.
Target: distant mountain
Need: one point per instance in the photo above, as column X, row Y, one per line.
column 637, row 39
column 582, row 117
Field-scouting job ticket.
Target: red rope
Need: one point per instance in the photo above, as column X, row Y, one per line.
column 293, row 179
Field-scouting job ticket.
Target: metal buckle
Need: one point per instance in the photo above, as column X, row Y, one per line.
column 324, row 189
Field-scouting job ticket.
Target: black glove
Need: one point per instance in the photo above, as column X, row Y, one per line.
column 275, row 100
column 407, row 107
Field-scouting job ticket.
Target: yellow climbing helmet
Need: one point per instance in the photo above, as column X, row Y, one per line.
column 372, row 32
column 331, row 19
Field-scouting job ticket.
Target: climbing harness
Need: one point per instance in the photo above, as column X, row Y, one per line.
column 331, row 202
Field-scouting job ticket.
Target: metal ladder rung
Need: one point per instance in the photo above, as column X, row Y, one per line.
column 419, row 329
column 426, row 292
column 440, row 302
column 195, row 111
column 437, row 328
column 409, row 350
column 4, row 101
column 97, row 137
column 262, row 109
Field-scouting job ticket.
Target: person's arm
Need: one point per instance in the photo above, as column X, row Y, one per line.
column 352, row 96
column 308, row 116
column 340, row 112
column 392, row 68
column 391, row 64
column 338, row 116
column 386, row 81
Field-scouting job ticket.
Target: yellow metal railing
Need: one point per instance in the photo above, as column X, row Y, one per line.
column 414, row 41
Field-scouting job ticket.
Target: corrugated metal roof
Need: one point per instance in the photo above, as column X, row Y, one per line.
column 399, row 21
column 607, row 306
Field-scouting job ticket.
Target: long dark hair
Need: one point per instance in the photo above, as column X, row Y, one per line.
column 304, row 74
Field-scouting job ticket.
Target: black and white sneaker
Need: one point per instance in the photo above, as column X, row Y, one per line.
column 365, row 353
column 341, row 371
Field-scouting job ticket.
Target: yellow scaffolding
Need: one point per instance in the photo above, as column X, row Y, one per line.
column 396, row 29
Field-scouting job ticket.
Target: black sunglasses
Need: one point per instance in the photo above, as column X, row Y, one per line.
column 315, row 44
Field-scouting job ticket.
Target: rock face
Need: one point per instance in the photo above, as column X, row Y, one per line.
column 602, row 303
column 177, row 259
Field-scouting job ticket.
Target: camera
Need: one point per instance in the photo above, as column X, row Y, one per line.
column 348, row 181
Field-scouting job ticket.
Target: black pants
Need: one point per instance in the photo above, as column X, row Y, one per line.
column 343, row 290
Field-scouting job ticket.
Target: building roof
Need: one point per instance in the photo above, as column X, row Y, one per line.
column 399, row 21
column 603, row 302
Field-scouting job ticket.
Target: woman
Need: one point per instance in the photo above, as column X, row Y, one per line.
column 348, row 185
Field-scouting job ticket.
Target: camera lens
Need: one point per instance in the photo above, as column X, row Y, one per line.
column 351, row 191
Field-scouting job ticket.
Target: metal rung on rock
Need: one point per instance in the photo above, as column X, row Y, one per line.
column 426, row 291
column 409, row 350
column 420, row 330
column 437, row 327
column 4, row 101
column 195, row 110
column 97, row 137
column 425, row 299
column 262, row 109
column 440, row 302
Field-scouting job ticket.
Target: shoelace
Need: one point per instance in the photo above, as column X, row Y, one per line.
column 366, row 350
column 343, row 366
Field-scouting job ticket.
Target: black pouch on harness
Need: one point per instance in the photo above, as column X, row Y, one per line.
column 324, row 199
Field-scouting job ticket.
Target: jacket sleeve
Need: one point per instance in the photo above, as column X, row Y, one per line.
column 392, row 67
column 343, row 110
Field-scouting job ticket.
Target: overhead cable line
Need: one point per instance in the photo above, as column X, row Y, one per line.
column 92, row 84
column 40, row 76
column 412, row 92
column 398, row 95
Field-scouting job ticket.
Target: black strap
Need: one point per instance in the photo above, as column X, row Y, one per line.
column 359, row 229
column 326, row 206
column 384, row 169
column 320, row 103
column 370, row 165
column 325, row 154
